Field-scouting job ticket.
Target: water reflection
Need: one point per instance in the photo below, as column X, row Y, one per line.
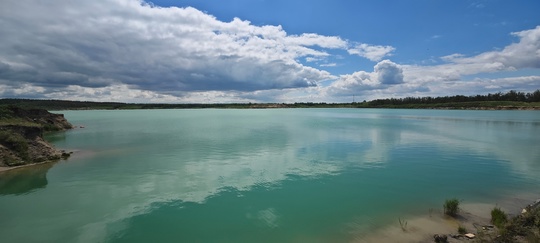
column 24, row 180
column 297, row 172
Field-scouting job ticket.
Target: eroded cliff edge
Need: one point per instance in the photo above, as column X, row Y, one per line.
column 21, row 136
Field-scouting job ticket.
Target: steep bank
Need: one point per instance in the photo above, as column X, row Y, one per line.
column 21, row 136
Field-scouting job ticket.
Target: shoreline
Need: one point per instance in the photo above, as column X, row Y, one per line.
column 10, row 168
column 74, row 155
column 475, row 217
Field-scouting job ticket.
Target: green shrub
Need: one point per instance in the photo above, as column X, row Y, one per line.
column 451, row 207
column 461, row 230
column 498, row 217
column 16, row 142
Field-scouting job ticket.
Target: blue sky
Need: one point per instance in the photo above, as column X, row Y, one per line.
column 267, row 51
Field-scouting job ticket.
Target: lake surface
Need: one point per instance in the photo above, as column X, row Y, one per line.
column 273, row 175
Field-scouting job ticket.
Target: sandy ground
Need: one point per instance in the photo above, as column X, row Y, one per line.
column 2, row 169
column 422, row 228
column 75, row 155
column 472, row 216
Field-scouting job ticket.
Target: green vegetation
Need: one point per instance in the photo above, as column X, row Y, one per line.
column 525, row 226
column 513, row 96
column 21, row 133
column 9, row 118
column 509, row 100
column 498, row 217
column 462, row 230
column 11, row 115
column 17, row 143
column 451, row 207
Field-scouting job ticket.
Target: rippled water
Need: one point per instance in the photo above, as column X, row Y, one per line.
column 276, row 175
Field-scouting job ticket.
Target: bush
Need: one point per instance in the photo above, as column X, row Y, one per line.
column 498, row 217
column 461, row 230
column 16, row 142
column 451, row 207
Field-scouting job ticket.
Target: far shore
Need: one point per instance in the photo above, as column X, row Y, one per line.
column 509, row 101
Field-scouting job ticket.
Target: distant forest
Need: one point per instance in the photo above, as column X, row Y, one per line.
column 509, row 100
column 510, row 96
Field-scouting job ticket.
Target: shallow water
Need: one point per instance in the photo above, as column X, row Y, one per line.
column 275, row 175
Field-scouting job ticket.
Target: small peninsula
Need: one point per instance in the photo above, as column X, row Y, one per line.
column 21, row 136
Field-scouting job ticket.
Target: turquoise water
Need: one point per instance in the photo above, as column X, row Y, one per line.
column 274, row 175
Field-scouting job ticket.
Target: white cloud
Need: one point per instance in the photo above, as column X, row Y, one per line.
column 372, row 52
column 386, row 73
column 447, row 78
column 328, row 64
column 127, row 50
column 523, row 54
column 484, row 86
column 312, row 59
column 165, row 50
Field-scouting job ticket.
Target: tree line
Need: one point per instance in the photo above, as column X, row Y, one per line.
column 511, row 95
column 511, row 98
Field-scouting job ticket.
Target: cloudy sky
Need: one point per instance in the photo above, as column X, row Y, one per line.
column 208, row 51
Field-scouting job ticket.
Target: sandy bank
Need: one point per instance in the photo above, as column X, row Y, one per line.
column 472, row 216
column 3, row 169
column 74, row 155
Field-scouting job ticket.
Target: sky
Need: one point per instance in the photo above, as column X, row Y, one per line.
column 278, row 51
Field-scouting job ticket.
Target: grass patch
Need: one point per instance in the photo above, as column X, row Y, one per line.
column 16, row 142
column 498, row 217
column 525, row 225
column 17, row 122
column 451, row 207
column 462, row 230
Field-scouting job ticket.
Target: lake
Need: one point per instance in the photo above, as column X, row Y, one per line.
column 269, row 175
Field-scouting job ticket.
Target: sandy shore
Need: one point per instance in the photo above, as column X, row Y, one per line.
column 422, row 228
column 75, row 154
column 472, row 216
column 3, row 169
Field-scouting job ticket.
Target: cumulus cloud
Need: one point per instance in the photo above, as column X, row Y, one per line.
column 371, row 52
column 392, row 80
column 130, row 50
column 389, row 72
column 165, row 50
column 523, row 54
column 485, row 85
column 386, row 73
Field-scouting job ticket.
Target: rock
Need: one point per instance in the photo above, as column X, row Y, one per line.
column 470, row 235
column 65, row 155
column 440, row 238
column 21, row 137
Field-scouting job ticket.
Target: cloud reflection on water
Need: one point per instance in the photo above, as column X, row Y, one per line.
column 190, row 156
